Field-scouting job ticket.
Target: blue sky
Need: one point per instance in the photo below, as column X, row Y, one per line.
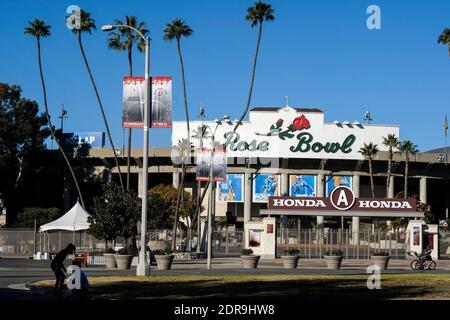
column 319, row 53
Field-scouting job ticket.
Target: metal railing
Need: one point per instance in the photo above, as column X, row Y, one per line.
column 314, row 243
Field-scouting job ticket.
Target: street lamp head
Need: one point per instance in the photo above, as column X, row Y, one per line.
column 108, row 27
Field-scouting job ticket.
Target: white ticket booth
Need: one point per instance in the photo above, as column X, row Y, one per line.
column 420, row 235
column 260, row 236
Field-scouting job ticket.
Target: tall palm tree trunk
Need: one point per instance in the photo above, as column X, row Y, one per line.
column 177, row 207
column 186, row 112
column 252, row 80
column 389, row 172
column 80, row 43
column 372, row 187
column 188, row 131
column 51, row 126
column 405, row 191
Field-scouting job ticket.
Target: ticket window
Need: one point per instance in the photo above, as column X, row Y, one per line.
column 428, row 240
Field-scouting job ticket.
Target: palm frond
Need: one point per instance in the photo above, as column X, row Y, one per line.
column 38, row 28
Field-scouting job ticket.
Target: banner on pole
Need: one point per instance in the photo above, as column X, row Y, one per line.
column 161, row 102
column 134, row 102
column 218, row 162
column 203, row 164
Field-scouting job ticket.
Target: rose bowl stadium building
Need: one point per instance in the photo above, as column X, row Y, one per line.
column 292, row 152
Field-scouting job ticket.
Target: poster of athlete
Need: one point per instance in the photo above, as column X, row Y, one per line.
column 302, row 185
column 232, row 189
column 335, row 181
column 265, row 185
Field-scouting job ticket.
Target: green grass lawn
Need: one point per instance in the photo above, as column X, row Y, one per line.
column 393, row 286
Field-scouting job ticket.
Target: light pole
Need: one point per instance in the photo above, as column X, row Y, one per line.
column 211, row 204
column 62, row 117
column 142, row 268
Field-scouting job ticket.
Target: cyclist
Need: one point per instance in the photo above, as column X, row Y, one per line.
column 427, row 253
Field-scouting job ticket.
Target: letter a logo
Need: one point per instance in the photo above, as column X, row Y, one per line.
column 374, row 20
column 342, row 198
column 74, row 280
column 374, row 280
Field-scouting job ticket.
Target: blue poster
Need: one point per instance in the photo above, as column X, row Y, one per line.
column 265, row 185
column 335, row 181
column 232, row 189
column 88, row 139
column 302, row 185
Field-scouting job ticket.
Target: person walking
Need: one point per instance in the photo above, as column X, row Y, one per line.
column 58, row 267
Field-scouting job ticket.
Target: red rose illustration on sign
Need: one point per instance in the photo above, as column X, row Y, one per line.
column 276, row 129
column 301, row 122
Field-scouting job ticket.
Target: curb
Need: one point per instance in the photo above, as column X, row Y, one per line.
column 34, row 288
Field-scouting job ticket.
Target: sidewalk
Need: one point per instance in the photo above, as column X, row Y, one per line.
column 235, row 263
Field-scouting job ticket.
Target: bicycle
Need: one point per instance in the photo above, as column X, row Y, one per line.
column 421, row 263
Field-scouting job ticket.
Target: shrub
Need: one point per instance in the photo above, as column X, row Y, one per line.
column 162, row 252
column 291, row 252
column 381, row 253
column 247, row 252
column 134, row 251
column 334, row 253
column 110, row 250
column 123, row 251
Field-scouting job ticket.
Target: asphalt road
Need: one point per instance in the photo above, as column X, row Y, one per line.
column 20, row 271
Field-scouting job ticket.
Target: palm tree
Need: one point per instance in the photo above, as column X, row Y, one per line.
column 177, row 29
column 39, row 29
column 369, row 151
column 126, row 39
column 87, row 24
column 444, row 38
column 257, row 14
column 407, row 148
column 391, row 141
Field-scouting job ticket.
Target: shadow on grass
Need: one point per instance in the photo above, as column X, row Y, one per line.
column 261, row 290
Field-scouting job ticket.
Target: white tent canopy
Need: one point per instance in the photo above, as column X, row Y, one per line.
column 74, row 220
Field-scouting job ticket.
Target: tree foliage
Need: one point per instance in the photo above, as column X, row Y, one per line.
column 115, row 213
column 26, row 218
column 162, row 204
column 22, row 134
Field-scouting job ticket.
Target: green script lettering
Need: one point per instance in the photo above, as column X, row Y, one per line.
column 305, row 144
column 348, row 143
column 236, row 145
column 305, row 139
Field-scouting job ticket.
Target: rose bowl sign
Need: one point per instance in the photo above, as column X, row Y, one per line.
column 291, row 133
column 341, row 199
